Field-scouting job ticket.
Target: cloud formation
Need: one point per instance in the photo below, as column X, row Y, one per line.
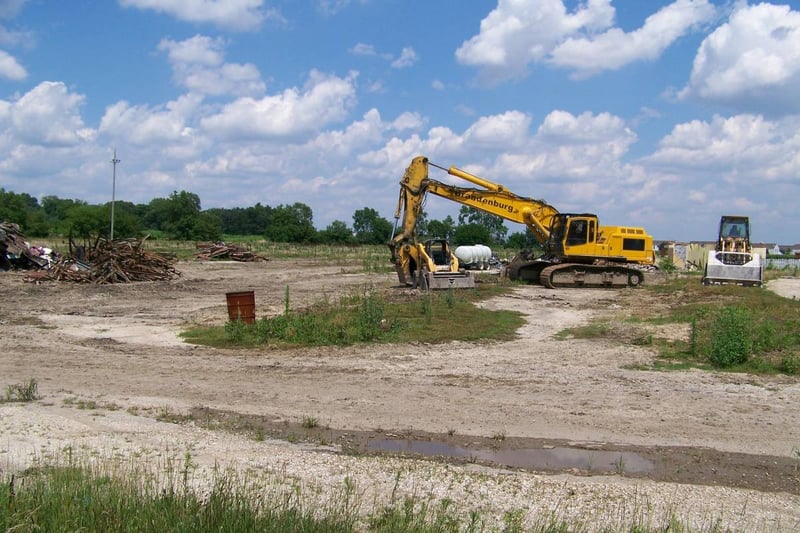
column 198, row 64
column 235, row 15
column 519, row 33
column 751, row 60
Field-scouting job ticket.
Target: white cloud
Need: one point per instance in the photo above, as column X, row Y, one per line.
column 437, row 85
column 47, row 115
column 10, row 68
column 408, row 121
column 10, row 8
column 148, row 126
column 342, row 143
column 505, row 131
column 518, row 33
column 197, row 50
column 325, row 99
column 407, row 58
column 614, row 48
column 237, row 15
column 362, row 49
column 752, row 62
column 743, row 148
column 198, row 64
column 332, row 7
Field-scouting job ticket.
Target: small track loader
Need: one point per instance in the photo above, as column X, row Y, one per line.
column 733, row 262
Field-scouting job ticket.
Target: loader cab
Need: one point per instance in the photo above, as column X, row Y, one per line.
column 734, row 234
column 439, row 251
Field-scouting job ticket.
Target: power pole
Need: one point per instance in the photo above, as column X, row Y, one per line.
column 113, row 190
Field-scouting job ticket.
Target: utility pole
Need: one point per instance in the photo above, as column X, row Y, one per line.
column 113, row 190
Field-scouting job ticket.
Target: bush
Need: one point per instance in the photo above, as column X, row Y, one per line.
column 667, row 266
column 731, row 337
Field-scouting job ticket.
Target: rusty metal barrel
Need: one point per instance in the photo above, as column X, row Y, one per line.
column 241, row 306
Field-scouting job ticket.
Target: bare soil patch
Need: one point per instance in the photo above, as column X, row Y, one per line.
column 118, row 347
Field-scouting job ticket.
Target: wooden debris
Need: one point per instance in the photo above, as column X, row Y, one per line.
column 207, row 251
column 119, row 261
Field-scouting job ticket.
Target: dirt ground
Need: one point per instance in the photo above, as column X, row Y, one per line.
column 573, row 421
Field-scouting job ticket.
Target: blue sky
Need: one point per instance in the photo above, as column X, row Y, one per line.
column 665, row 114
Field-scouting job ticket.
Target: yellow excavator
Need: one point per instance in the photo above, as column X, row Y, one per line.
column 578, row 251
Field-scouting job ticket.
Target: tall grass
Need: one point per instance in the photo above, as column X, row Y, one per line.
column 371, row 316
column 95, row 496
column 83, row 498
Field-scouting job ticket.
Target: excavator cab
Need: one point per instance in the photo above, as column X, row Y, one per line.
column 572, row 235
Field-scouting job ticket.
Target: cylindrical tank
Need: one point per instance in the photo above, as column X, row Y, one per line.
column 476, row 256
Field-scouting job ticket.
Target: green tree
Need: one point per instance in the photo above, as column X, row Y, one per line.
column 370, row 227
column 244, row 221
column 127, row 223
column 337, row 232
column 469, row 234
column 88, row 221
column 179, row 217
column 493, row 223
column 523, row 241
column 291, row 223
column 17, row 208
column 442, row 229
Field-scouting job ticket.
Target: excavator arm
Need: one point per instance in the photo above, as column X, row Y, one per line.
column 492, row 198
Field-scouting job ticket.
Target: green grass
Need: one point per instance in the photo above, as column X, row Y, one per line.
column 77, row 499
column 97, row 496
column 368, row 316
column 741, row 329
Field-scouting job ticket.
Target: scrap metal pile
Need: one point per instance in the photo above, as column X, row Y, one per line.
column 118, row 261
column 220, row 250
column 15, row 252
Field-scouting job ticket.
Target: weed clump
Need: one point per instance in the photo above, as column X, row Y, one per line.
column 22, row 392
column 731, row 338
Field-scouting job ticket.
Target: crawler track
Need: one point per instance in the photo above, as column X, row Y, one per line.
column 593, row 276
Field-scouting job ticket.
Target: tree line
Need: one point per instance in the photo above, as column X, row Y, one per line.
column 181, row 217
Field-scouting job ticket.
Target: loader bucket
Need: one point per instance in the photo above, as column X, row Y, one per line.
column 733, row 268
column 449, row 280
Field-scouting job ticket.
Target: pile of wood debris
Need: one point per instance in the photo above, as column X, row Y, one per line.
column 219, row 250
column 118, row 261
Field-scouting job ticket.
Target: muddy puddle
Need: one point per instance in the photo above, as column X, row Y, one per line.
column 548, row 458
column 679, row 464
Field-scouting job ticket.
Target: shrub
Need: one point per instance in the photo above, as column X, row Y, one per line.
column 667, row 266
column 790, row 364
column 731, row 337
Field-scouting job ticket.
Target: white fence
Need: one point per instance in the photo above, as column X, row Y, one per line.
column 780, row 264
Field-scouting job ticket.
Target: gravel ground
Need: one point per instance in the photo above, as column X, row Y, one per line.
column 109, row 363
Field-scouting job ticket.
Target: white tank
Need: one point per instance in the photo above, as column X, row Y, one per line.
column 476, row 256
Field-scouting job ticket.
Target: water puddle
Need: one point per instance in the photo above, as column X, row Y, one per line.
column 558, row 458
